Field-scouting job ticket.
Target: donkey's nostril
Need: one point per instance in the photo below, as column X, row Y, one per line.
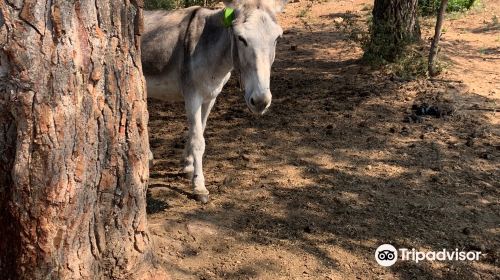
column 252, row 102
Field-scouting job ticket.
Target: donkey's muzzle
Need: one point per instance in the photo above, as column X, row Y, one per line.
column 259, row 103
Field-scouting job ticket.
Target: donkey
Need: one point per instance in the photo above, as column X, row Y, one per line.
column 188, row 55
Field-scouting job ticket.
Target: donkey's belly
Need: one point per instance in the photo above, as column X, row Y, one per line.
column 164, row 88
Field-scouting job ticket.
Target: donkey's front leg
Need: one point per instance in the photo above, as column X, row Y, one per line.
column 188, row 156
column 196, row 146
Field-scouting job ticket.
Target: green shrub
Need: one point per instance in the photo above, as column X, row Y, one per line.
column 174, row 4
column 430, row 7
column 160, row 4
column 412, row 64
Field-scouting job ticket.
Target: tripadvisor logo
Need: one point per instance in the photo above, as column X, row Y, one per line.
column 387, row 255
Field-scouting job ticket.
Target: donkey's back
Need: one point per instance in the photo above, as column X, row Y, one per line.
column 163, row 38
column 163, row 51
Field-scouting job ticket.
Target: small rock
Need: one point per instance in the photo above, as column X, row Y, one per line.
column 369, row 167
column 425, row 109
column 293, row 47
column 309, row 229
column 228, row 181
column 405, row 131
column 413, row 119
column 430, row 128
column 486, row 156
column 467, row 231
column 392, row 130
column 470, row 142
column 476, row 247
column 452, row 145
column 338, row 20
column 371, row 140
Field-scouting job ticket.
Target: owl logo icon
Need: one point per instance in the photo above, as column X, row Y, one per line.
column 386, row 255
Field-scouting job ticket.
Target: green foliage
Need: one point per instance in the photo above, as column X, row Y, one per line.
column 406, row 58
column 412, row 64
column 174, row 4
column 386, row 43
column 430, row 7
column 160, row 4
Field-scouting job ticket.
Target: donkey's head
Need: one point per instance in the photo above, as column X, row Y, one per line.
column 256, row 32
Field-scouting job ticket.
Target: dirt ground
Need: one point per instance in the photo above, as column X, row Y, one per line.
column 343, row 161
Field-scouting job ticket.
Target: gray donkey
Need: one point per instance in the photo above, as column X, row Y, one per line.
column 189, row 54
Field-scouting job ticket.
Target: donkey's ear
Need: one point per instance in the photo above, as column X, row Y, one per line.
column 279, row 5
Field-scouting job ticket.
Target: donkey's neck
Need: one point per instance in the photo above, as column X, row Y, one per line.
column 217, row 40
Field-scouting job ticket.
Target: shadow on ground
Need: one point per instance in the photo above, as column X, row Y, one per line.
column 334, row 169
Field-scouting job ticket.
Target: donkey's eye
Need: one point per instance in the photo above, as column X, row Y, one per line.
column 243, row 40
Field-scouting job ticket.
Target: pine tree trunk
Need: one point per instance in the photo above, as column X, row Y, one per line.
column 395, row 24
column 73, row 141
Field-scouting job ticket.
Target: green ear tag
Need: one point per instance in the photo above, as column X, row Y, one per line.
column 228, row 17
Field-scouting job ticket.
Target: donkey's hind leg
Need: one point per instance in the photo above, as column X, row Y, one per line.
column 205, row 111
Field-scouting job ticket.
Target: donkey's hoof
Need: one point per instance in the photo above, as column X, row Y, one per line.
column 203, row 198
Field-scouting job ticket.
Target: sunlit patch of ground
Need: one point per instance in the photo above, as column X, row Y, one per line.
column 309, row 190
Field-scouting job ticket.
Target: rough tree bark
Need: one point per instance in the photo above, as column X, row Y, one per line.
column 73, row 141
column 435, row 41
column 395, row 24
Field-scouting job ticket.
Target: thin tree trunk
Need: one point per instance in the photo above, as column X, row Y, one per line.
column 435, row 41
column 73, row 141
column 395, row 24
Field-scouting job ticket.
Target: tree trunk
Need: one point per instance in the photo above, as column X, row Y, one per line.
column 395, row 25
column 73, row 141
column 435, row 41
